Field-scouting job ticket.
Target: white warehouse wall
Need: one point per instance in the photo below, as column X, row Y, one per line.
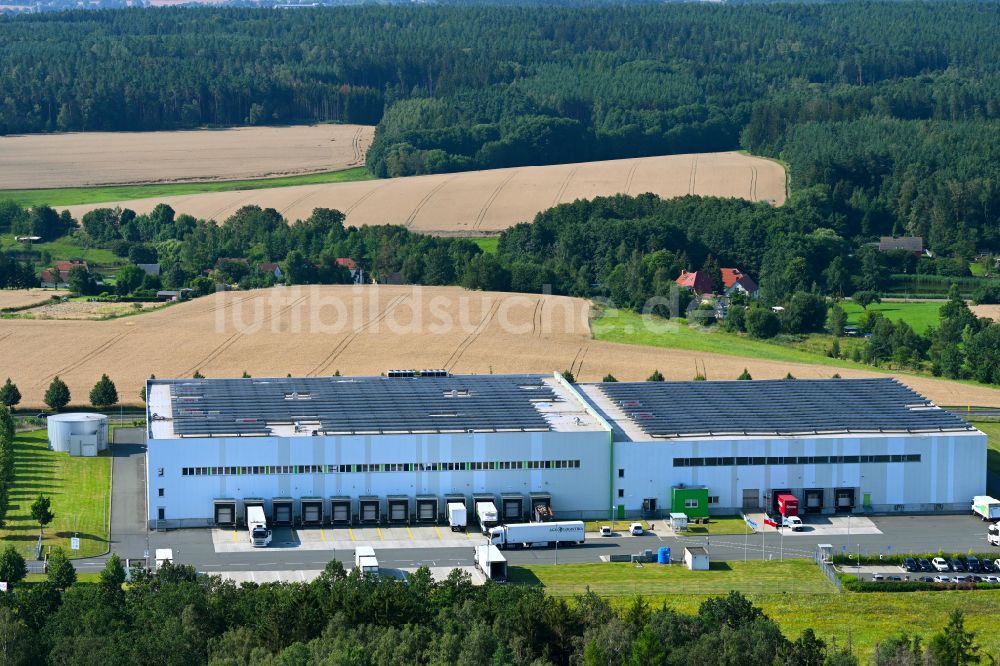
column 188, row 499
column 952, row 469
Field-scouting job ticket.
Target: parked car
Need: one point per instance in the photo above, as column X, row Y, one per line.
column 795, row 523
column 961, row 578
column 988, row 566
column 996, row 563
column 940, row 564
column 926, row 579
column 910, row 564
column 941, row 578
column 636, row 529
column 925, row 565
column 894, row 578
column 956, row 564
column 993, row 580
column 877, row 576
column 972, row 562
column 606, row 530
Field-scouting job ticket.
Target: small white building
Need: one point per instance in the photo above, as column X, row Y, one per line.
column 696, row 558
column 678, row 522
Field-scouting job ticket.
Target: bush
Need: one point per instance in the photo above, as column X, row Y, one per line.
column 986, row 295
column 762, row 323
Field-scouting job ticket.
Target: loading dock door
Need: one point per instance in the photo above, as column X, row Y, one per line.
column 845, row 500
column 340, row 511
column 369, row 509
column 513, row 509
column 399, row 510
column 312, row 511
column 751, row 499
column 249, row 502
column 282, row 512
column 814, row 500
column 225, row 513
column 427, row 509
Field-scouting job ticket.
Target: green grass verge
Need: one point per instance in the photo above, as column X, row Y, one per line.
column 719, row 525
column 793, row 593
column 624, row 579
column 631, row 328
column 488, row 244
column 921, row 315
column 81, row 577
column 70, row 196
column 617, row 525
column 80, row 490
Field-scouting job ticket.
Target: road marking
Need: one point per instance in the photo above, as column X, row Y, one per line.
column 234, row 536
column 322, row 534
column 380, row 534
column 438, row 533
column 409, row 532
column 350, row 531
column 468, row 536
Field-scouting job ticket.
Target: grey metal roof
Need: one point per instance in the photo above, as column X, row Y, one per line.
column 341, row 405
column 778, row 407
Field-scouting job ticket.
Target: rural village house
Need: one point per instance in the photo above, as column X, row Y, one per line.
column 58, row 277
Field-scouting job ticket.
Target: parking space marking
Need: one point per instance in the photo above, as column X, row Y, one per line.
column 351, row 532
column 234, row 536
column 409, row 532
column 441, row 538
column 380, row 534
column 322, row 534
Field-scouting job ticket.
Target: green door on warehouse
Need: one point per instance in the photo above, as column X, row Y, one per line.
column 621, row 512
column 868, row 499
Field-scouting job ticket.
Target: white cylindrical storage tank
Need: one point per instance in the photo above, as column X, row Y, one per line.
column 78, row 433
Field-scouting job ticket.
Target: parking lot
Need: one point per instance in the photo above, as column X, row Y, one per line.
column 341, row 538
column 823, row 525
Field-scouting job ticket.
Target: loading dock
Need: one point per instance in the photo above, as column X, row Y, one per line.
column 772, row 498
column 427, row 509
column 512, row 507
column 283, row 510
column 369, row 510
column 844, row 500
column 340, row 510
column 312, row 510
column 225, row 512
column 399, row 509
column 541, row 507
column 249, row 502
column 813, row 500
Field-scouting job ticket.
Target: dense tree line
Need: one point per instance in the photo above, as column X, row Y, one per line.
column 176, row 617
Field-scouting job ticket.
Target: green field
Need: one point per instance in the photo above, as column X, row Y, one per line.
column 70, row 196
column 629, row 327
column 487, row 244
column 793, row 593
column 919, row 314
column 65, row 248
column 719, row 525
column 80, row 490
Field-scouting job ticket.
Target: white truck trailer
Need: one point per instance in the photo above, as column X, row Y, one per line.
column 993, row 535
column 457, row 517
column 986, row 507
column 538, row 535
column 260, row 536
column 365, row 560
column 488, row 516
column 163, row 555
column 491, row 562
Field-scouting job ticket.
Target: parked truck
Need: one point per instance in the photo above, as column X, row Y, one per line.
column 993, row 535
column 365, row 561
column 457, row 517
column 260, row 535
column 986, row 507
column 527, row 535
column 788, row 505
column 488, row 516
column 491, row 562
column 163, row 555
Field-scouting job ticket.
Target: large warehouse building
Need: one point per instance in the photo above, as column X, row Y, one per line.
column 350, row 450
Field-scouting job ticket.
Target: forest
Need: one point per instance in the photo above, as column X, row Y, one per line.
column 176, row 616
column 893, row 108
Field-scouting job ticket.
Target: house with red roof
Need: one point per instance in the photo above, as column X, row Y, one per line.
column 58, row 277
column 698, row 281
column 272, row 268
column 734, row 280
column 357, row 275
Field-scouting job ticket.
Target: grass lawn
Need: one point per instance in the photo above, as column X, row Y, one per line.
column 80, row 490
column 793, row 593
column 66, row 248
column 719, row 525
column 629, row 327
column 617, row 525
column 81, row 577
column 918, row 314
column 86, row 195
column 487, row 244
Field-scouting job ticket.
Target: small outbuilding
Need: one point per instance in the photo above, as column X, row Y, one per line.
column 78, row 433
column 678, row 522
column 696, row 558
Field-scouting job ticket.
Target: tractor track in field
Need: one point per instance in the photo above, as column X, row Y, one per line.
column 344, row 343
column 470, row 339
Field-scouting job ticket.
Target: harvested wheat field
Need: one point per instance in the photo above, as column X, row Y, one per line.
column 991, row 311
column 479, row 202
column 21, row 298
column 119, row 158
column 364, row 330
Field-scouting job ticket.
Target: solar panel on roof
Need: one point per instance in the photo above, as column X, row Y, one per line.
column 778, row 407
column 249, row 407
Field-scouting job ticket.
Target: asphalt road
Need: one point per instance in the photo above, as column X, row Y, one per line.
column 900, row 534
